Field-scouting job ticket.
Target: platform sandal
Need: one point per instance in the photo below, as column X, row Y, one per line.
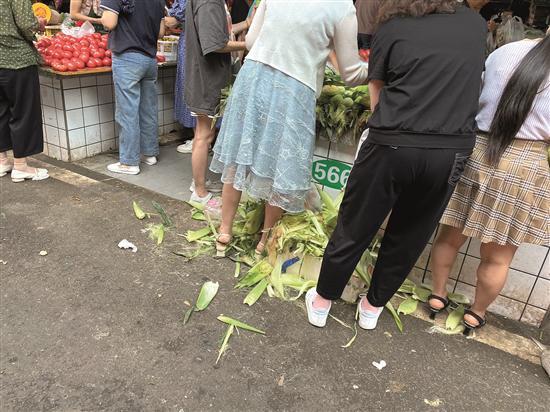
column 221, row 247
column 260, row 248
column 469, row 328
column 435, row 311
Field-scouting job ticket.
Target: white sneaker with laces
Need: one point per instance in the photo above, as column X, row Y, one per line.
column 317, row 317
column 123, row 169
column 203, row 200
column 149, row 160
column 186, row 147
column 5, row 169
column 367, row 319
column 18, row 176
column 212, row 187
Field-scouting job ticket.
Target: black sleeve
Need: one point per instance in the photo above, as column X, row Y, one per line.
column 379, row 54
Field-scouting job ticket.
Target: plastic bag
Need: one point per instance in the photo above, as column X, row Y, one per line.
column 68, row 27
column 511, row 30
column 313, row 200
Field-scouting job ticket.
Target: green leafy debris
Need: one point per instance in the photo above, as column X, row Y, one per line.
column 140, row 214
column 238, row 324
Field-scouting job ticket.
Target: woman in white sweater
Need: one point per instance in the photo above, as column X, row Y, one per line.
column 267, row 137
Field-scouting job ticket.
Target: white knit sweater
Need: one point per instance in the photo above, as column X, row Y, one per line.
column 296, row 37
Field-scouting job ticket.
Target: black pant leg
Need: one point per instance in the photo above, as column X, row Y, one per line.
column 26, row 113
column 414, row 218
column 370, row 195
column 5, row 114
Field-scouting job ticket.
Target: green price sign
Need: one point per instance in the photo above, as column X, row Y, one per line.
column 331, row 173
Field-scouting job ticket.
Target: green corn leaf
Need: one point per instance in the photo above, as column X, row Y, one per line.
column 197, row 215
column 194, row 235
column 188, row 314
column 196, row 205
column 259, row 271
column 455, row 318
column 238, row 324
column 395, row 315
column 211, row 225
column 408, row 306
column 421, row 293
column 305, row 287
column 225, row 342
column 256, row 292
column 156, row 232
column 166, row 221
column 350, row 342
column 237, row 269
column 459, row 298
column 140, row 214
column 341, row 322
column 207, row 293
column 408, row 287
column 276, row 280
column 327, row 201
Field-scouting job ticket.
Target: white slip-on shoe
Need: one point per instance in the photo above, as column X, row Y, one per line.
column 368, row 320
column 186, row 147
column 149, row 160
column 317, row 317
column 123, row 169
column 5, row 169
column 212, row 187
column 203, row 200
column 18, row 176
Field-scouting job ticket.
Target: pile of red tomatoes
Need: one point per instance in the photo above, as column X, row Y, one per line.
column 68, row 54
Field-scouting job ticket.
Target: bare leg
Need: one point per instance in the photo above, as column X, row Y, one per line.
column 22, row 166
column 204, row 135
column 230, row 202
column 272, row 215
column 444, row 252
column 491, row 276
column 4, row 158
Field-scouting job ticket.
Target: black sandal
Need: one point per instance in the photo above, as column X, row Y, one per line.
column 469, row 328
column 435, row 311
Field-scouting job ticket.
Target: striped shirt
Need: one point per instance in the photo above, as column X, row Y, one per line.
column 500, row 66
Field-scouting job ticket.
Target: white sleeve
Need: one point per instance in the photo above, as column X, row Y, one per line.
column 353, row 71
column 256, row 25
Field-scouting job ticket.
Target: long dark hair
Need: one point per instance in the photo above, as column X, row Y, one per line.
column 517, row 99
column 414, row 8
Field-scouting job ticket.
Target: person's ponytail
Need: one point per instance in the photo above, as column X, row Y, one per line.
column 517, row 99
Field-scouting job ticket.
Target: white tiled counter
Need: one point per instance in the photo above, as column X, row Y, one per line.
column 78, row 112
column 526, row 296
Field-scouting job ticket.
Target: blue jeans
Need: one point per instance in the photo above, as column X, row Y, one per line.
column 135, row 79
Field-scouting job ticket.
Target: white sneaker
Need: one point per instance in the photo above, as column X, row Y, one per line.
column 149, row 160
column 203, row 200
column 212, row 187
column 5, row 169
column 186, row 147
column 317, row 317
column 123, row 169
column 18, row 176
column 368, row 320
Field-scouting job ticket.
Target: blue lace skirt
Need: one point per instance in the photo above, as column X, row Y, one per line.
column 267, row 137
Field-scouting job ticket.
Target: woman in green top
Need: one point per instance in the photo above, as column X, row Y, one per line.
column 20, row 111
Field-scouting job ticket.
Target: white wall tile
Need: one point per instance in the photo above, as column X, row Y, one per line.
column 64, row 155
column 107, row 131
column 93, row 149
column 466, row 290
column 58, row 97
column 106, row 113
column 56, row 83
column 469, row 270
column 160, row 119
column 533, row 316
column 529, row 258
column 108, row 145
column 103, row 79
column 518, row 285
column 46, row 96
column 91, row 115
column 71, row 83
column 50, row 116
column 77, row 138
column 45, row 80
column 541, row 294
column 321, row 148
column 507, row 307
column 62, row 138
column 545, row 272
column 93, row 134
column 168, row 101
column 168, row 118
column 54, row 151
column 160, row 102
column 89, row 96
column 342, row 152
column 78, row 154
column 73, row 99
column 168, row 85
column 159, row 86
column 105, row 94
column 75, row 119
column 473, row 249
column 86, row 81
column 52, row 135
column 60, row 119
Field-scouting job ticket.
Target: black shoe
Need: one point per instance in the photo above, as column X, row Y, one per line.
column 435, row 311
column 469, row 328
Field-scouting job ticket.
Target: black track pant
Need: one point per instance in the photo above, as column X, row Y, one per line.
column 415, row 185
column 20, row 112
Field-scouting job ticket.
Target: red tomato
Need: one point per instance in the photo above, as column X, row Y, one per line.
column 96, row 36
column 108, row 53
column 103, row 45
column 65, row 61
column 84, row 43
column 67, row 54
column 100, row 54
column 84, row 49
column 76, row 53
column 80, row 64
column 60, row 68
column 98, row 62
column 85, row 57
column 91, row 64
column 107, row 62
column 54, row 62
column 71, row 67
column 58, row 54
column 58, row 46
column 68, row 47
column 47, row 61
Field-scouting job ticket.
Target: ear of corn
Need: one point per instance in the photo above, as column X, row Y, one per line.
column 140, row 214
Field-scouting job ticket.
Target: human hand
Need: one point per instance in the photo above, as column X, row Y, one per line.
column 171, row 22
column 41, row 24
